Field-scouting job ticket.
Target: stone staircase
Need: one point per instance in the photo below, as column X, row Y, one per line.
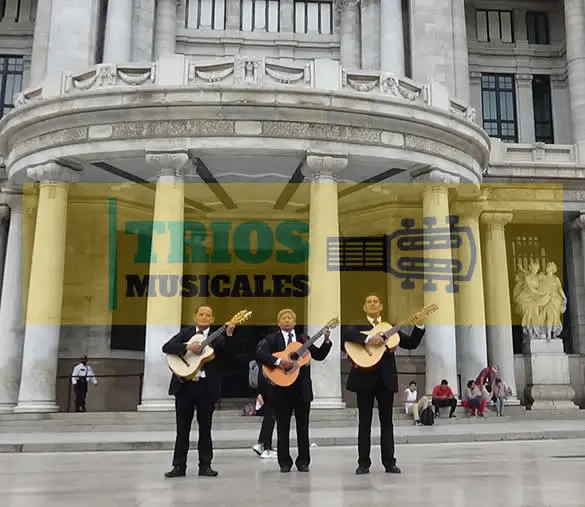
column 226, row 419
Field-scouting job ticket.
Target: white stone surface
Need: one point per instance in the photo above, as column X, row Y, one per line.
column 118, row 36
column 11, row 311
column 391, row 37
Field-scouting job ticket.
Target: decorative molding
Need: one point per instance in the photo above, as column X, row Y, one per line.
column 52, row 173
column 105, row 75
column 167, row 163
column 322, row 167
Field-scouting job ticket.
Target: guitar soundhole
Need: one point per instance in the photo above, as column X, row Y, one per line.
column 294, row 356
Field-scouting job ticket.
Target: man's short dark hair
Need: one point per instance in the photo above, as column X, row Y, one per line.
column 375, row 294
column 412, row 382
column 444, row 382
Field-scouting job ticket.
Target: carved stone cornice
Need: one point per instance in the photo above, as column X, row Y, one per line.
column 496, row 220
column 167, row 163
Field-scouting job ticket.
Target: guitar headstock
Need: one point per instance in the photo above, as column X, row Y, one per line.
column 333, row 323
column 428, row 309
column 241, row 316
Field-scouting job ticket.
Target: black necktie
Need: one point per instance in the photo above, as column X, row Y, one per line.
column 290, row 337
column 376, row 322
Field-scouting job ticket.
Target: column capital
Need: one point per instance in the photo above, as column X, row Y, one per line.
column 167, row 163
column 579, row 222
column 469, row 208
column 13, row 199
column 52, row 172
column 496, row 219
column 435, row 176
column 318, row 166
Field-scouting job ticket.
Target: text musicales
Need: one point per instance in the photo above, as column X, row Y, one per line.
column 220, row 286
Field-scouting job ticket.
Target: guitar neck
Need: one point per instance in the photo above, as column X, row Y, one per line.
column 394, row 329
column 212, row 336
column 311, row 341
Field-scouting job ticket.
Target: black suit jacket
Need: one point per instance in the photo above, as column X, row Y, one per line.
column 213, row 369
column 361, row 379
column 274, row 342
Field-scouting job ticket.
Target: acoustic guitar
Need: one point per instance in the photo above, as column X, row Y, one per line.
column 189, row 364
column 299, row 353
column 368, row 356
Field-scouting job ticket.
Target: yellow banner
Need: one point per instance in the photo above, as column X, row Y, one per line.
column 485, row 255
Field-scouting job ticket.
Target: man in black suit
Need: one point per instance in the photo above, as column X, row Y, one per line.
column 380, row 383
column 297, row 397
column 201, row 393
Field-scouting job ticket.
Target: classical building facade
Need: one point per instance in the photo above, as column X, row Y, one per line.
column 357, row 122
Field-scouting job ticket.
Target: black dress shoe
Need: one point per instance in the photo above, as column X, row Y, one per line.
column 208, row 472
column 362, row 470
column 176, row 472
column 303, row 468
column 285, row 469
column 393, row 470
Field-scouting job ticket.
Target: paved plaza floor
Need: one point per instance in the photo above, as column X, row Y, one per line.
column 502, row 474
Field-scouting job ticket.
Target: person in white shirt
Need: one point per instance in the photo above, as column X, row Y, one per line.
column 80, row 377
column 411, row 405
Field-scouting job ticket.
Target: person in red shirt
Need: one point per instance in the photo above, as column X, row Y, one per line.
column 443, row 397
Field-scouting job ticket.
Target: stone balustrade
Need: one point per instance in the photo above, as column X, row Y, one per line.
column 249, row 71
column 538, row 160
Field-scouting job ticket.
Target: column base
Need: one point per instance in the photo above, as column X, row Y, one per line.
column 35, row 407
column 157, row 406
column 327, row 403
column 6, row 408
column 551, row 397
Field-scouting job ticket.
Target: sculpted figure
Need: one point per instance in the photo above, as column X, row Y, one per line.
column 540, row 301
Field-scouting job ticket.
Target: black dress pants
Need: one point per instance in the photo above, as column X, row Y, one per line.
column 194, row 395
column 268, row 418
column 289, row 400
column 80, row 389
column 365, row 402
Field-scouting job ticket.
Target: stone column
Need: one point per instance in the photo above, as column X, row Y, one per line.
column 370, row 39
column 11, row 309
column 575, row 47
column 118, row 37
column 526, row 105
column 40, row 42
column 324, row 300
column 497, row 295
column 440, row 341
column 165, row 29
column 163, row 314
column 391, row 37
column 471, row 335
column 350, row 34
column 460, row 52
column 4, row 221
column 44, row 306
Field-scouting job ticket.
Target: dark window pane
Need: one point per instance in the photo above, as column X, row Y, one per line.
column 11, row 69
column 498, row 106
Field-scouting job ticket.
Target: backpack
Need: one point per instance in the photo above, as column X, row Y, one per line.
column 427, row 417
column 253, row 372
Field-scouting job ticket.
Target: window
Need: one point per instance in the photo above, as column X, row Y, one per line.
column 407, row 29
column 208, row 14
column 541, row 99
column 314, row 16
column 494, row 26
column 537, row 28
column 260, row 15
column 11, row 69
column 499, row 106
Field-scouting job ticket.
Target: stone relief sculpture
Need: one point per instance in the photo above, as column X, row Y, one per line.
column 540, row 300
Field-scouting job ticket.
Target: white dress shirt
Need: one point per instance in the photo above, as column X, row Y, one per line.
column 205, row 333
column 374, row 324
column 82, row 370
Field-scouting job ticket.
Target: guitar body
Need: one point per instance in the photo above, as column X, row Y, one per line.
column 279, row 377
column 188, row 365
column 368, row 356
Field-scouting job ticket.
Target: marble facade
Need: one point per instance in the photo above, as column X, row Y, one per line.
column 341, row 105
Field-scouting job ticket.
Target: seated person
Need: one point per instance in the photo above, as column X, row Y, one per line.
column 443, row 397
column 475, row 398
column 411, row 405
